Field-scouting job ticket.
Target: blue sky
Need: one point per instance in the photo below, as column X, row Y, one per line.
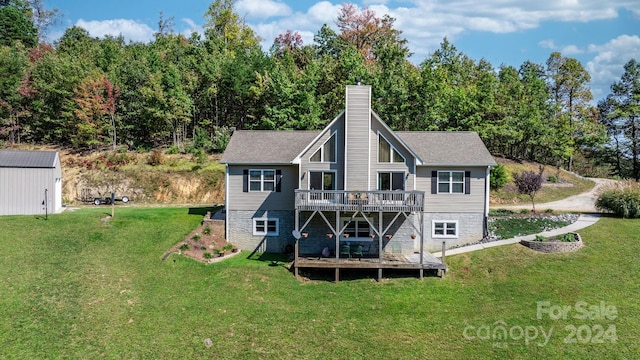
column 603, row 35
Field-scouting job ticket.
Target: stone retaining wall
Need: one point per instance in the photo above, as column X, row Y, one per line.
column 554, row 246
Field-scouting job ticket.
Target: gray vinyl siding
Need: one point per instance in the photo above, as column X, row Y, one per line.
column 337, row 167
column 283, row 200
column 22, row 191
column 407, row 167
column 357, row 120
column 463, row 203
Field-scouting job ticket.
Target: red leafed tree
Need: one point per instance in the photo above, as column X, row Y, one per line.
column 367, row 32
column 96, row 113
column 288, row 41
column 529, row 182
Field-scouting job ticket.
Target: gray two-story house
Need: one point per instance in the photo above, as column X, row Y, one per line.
column 356, row 188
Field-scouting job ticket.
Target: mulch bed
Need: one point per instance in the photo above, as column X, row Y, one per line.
column 198, row 243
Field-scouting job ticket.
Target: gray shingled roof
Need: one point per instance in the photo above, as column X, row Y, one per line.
column 455, row 148
column 27, row 159
column 266, row 146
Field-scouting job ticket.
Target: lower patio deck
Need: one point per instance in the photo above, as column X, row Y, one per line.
column 389, row 261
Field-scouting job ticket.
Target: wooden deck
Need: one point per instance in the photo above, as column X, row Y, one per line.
column 389, row 261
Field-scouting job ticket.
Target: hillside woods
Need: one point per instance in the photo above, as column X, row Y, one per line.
column 191, row 91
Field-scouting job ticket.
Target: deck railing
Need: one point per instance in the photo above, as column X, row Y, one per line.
column 327, row 200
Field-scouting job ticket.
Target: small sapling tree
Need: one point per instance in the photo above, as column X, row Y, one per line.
column 528, row 182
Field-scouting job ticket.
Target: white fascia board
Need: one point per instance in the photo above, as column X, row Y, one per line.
column 397, row 138
column 298, row 159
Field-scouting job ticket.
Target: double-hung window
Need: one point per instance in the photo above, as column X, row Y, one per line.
column 265, row 227
column 444, row 229
column 451, row 182
column 262, row 180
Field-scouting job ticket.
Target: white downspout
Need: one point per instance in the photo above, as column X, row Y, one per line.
column 226, row 202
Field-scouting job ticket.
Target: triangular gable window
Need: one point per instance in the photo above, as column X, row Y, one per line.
column 326, row 153
column 387, row 153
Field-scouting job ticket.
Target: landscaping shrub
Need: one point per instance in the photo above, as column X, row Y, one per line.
column 156, row 158
column 623, row 200
column 501, row 212
column 498, row 178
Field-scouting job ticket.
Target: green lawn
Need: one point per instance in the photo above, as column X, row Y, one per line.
column 78, row 287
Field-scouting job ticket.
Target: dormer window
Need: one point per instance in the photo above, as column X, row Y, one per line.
column 327, row 152
column 387, row 153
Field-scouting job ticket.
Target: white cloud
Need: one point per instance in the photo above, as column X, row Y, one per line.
column 323, row 12
column 262, row 9
column 192, row 27
column 307, row 24
column 548, row 44
column 129, row 29
column 607, row 65
column 571, row 50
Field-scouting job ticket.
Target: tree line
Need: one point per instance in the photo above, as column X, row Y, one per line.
column 189, row 92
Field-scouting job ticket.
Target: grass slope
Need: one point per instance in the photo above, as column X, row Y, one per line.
column 566, row 184
column 79, row 287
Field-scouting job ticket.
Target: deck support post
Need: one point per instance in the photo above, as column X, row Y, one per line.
column 337, row 236
column 444, row 262
column 296, row 249
column 421, row 219
column 380, row 235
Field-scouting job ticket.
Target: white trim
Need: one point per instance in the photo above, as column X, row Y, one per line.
column 321, row 149
column 226, row 202
column 369, row 142
column 266, row 227
column 297, row 159
column 445, row 222
column 487, row 193
column 262, row 180
column 451, row 182
column 393, row 150
column 418, row 160
column 415, row 176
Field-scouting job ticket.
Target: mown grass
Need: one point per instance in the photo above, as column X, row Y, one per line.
column 79, row 287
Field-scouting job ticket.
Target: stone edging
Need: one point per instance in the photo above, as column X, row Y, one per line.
column 554, row 246
column 222, row 258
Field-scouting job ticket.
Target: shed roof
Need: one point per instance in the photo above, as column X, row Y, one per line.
column 266, row 146
column 27, row 159
column 442, row 148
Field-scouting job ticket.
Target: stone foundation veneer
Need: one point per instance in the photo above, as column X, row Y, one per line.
column 554, row 246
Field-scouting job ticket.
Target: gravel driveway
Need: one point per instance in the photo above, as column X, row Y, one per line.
column 584, row 202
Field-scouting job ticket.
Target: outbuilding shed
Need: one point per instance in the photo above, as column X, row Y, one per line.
column 30, row 182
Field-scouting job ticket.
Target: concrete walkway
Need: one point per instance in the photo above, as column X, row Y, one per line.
column 583, row 221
